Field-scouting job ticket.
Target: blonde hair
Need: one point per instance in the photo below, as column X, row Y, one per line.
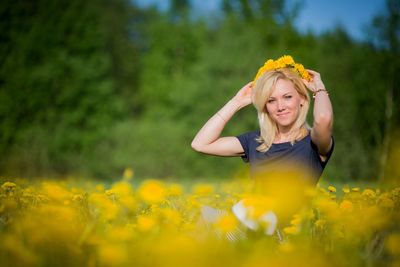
column 262, row 91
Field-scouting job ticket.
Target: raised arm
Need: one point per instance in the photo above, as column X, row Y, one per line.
column 207, row 139
column 323, row 114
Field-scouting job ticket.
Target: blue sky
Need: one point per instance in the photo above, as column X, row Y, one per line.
column 353, row 15
column 315, row 15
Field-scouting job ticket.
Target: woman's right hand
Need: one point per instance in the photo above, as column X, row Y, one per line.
column 243, row 97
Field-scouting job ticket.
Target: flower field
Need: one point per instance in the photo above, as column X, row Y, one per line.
column 156, row 223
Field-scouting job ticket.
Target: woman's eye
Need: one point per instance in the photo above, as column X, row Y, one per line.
column 270, row 101
column 288, row 96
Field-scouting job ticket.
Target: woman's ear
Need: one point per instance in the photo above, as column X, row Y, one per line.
column 302, row 101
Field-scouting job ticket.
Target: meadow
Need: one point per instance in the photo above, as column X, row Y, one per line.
column 159, row 223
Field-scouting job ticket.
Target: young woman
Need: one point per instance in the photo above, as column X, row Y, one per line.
column 279, row 93
column 284, row 151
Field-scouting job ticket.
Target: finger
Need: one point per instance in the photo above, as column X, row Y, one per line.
column 307, row 83
column 312, row 72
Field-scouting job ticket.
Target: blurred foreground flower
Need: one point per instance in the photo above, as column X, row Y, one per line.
column 281, row 222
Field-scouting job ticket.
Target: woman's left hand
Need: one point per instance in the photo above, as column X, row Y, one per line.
column 315, row 82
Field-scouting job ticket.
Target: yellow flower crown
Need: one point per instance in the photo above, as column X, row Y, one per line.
column 283, row 62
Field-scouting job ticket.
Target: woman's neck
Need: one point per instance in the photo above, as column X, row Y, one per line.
column 282, row 138
column 284, row 133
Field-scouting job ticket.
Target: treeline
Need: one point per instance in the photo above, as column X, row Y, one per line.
column 93, row 87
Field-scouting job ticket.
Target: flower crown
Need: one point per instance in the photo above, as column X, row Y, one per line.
column 283, row 62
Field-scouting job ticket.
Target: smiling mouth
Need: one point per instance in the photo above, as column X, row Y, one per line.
column 283, row 114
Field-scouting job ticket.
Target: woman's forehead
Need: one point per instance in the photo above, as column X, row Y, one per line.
column 281, row 87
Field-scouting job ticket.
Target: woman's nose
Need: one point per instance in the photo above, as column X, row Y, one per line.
column 281, row 105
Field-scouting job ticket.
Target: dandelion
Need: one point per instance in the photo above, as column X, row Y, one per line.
column 227, row 223
column 346, row 206
column 112, row 254
column 128, row 174
column 297, row 220
column 146, row 223
column 346, row 190
column 369, row 193
column 151, row 191
column 292, row 230
column 56, row 192
column 355, row 189
column 203, row 189
column 175, row 190
column 128, row 201
column 8, row 186
column 385, row 201
column 158, row 225
column 332, row 189
column 320, row 223
column 286, row 247
column 122, row 189
column 172, row 216
column 110, row 192
column 100, row 188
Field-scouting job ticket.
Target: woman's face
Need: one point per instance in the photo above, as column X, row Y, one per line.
column 283, row 105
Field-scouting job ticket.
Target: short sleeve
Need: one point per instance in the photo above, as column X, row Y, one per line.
column 328, row 155
column 244, row 141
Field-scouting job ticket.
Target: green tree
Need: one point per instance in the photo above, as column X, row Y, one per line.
column 59, row 90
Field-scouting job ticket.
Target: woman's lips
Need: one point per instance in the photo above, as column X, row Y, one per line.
column 283, row 114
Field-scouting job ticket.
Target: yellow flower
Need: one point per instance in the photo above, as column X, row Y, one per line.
column 146, row 223
column 369, row 193
column 100, row 187
column 288, row 60
column 172, row 216
column 295, row 222
column 257, row 206
column 331, row 188
column 203, row 189
column 386, row 201
column 175, row 190
column 320, row 223
column 346, row 190
column 355, row 189
column 151, row 191
column 8, row 186
column 227, row 223
column 128, row 202
column 286, row 247
column 292, row 230
column 112, row 254
column 322, row 190
column 346, row 206
column 269, row 65
column 56, row 192
column 109, row 192
column 283, row 62
column 128, row 174
column 122, row 189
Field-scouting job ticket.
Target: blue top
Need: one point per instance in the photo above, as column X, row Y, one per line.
column 303, row 153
